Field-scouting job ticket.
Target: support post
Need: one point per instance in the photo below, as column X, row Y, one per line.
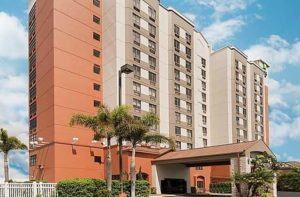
column 6, row 189
column 34, row 187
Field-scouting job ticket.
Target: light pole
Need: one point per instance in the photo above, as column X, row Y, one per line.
column 126, row 69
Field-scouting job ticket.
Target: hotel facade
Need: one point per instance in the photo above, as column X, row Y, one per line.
column 204, row 97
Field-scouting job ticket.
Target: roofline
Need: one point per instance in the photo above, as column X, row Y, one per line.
column 171, row 9
column 231, row 48
column 253, row 62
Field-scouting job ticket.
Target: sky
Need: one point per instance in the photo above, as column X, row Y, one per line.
column 264, row 29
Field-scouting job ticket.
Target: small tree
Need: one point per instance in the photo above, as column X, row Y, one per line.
column 264, row 167
column 7, row 144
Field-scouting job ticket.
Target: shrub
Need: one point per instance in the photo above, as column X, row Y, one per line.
column 104, row 193
column 193, row 190
column 91, row 188
column 153, row 190
column 39, row 195
column 289, row 182
column 224, row 188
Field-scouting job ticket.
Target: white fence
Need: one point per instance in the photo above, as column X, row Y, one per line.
column 28, row 190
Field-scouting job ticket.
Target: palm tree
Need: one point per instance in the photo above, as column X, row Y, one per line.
column 139, row 131
column 119, row 115
column 102, row 126
column 7, row 144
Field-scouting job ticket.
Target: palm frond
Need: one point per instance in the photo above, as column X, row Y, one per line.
column 150, row 119
column 84, row 120
column 157, row 138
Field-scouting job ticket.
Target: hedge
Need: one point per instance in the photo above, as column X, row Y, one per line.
column 221, row 188
column 289, row 182
column 90, row 188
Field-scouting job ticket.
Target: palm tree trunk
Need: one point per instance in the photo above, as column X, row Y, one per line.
column 132, row 172
column 108, row 165
column 121, row 162
column 6, row 167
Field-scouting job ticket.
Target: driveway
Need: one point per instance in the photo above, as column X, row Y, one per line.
column 288, row 194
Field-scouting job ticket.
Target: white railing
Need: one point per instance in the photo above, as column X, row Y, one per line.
column 28, row 189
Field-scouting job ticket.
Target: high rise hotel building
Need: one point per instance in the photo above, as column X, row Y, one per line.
column 76, row 49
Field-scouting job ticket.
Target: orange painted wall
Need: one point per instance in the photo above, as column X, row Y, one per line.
column 205, row 172
column 65, row 85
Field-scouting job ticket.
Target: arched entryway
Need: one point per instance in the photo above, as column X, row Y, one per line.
column 200, row 182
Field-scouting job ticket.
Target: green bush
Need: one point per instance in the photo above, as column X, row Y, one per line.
column 104, row 193
column 193, row 190
column 90, row 187
column 223, row 188
column 289, row 182
column 153, row 190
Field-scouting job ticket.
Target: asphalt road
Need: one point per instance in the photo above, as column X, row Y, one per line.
column 288, row 194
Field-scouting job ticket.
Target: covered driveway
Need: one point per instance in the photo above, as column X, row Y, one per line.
column 175, row 165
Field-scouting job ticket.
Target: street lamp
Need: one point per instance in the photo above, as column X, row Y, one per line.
column 126, row 69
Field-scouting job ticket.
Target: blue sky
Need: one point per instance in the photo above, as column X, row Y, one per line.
column 267, row 29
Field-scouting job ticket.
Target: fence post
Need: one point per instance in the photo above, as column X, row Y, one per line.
column 34, row 185
column 6, row 189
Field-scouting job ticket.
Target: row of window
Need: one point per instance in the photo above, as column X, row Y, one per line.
column 189, row 119
column 188, row 65
column 137, row 24
column 188, row 51
column 188, row 131
column 177, row 77
column 151, row 75
column 151, row 11
column 178, row 145
column 137, row 105
column 137, row 58
column 137, row 89
column 188, row 36
column 137, row 40
column 178, row 105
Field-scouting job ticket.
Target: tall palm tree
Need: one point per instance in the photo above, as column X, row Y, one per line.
column 7, row 144
column 139, row 131
column 119, row 115
column 102, row 126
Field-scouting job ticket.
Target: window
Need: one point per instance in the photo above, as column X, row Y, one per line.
column 136, row 54
column 176, row 60
column 203, row 86
column 32, row 124
column 177, row 130
column 152, row 92
column 188, row 38
column 152, row 77
column 136, row 37
column 178, row 145
column 203, row 108
column 188, row 66
column 177, row 117
column 32, row 160
column 203, row 97
column 177, row 74
column 152, row 46
column 204, row 142
column 32, row 77
column 137, row 104
column 152, row 108
column 96, row 69
column 199, row 167
column 188, row 52
column 136, row 87
column 32, row 109
column 189, row 120
column 204, row 131
column 176, row 45
column 32, row 94
column 203, row 73
column 136, row 20
column 97, row 159
column 177, row 102
column 189, row 146
column 177, row 88
column 97, row 87
column 189, row 107
column 189, row 133
column 97, row 103
column 203, row 61
column 176, row 30
column 137, row 70
column 188, row 80
column 136, row 3
column 96, row 53
column 152, row 13
column 96, row 36
column 96, row 3
column 152, row 62
column 204, row 120
column 152, row 30
column 96, row 19
column 188, row 92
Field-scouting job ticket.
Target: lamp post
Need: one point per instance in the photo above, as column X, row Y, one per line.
column 126, row 69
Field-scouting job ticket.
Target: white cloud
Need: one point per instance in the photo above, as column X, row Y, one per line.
column 278, row 52
column 13, row 37
column 220, row 31
column 191, row 16
column 288, row 157
column 222, row 7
